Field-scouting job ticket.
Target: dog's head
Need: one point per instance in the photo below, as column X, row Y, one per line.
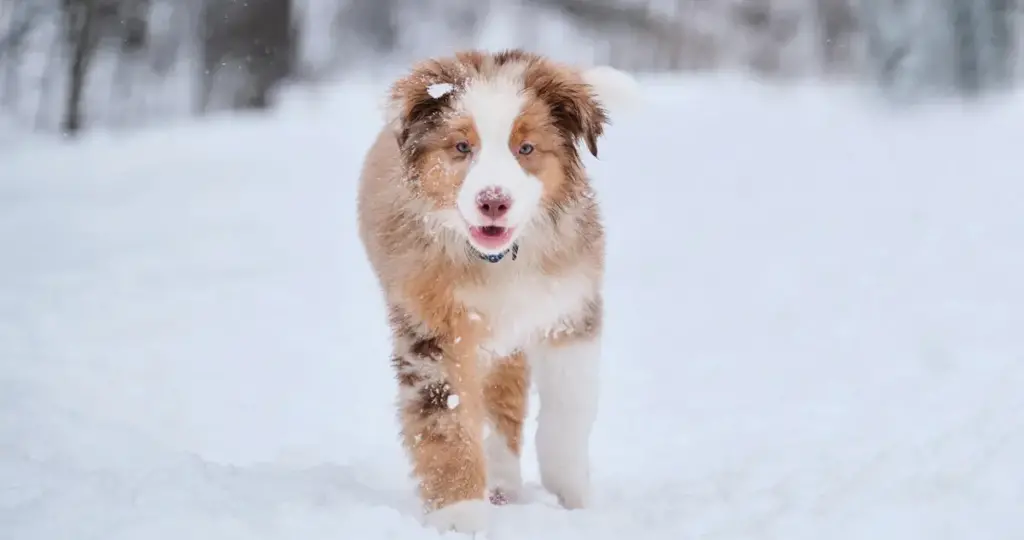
column 491, row 141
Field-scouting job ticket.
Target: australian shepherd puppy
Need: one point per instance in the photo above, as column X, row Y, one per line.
column 481, row 225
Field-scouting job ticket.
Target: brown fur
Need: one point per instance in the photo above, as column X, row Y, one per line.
column 505, row 392
column 412, row 169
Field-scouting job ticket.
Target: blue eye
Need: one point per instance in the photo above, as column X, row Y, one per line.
column 463, row 146
column 526, row 149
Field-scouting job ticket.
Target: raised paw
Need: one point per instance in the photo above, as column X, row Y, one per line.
column 462, row 517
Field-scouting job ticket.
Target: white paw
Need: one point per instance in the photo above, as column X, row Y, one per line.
column 567, row 381
column 564, row 464
column 534, row 493
column 504, row 474
column 572, row 493
column 462, row 517
column 568, row 479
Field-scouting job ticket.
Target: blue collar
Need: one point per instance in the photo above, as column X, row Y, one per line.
column 514, row 250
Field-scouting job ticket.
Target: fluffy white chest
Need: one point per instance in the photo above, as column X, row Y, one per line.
column 521, row 309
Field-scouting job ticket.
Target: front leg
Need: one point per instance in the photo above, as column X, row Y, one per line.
column 567, row 381
column 441, row 414
column 506, row 390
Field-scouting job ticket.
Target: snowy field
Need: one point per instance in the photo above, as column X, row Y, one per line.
column 815, row 329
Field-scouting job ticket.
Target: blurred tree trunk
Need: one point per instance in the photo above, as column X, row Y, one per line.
column 661, row 40
column 12, row 46
column 79, row 25
column 983, row 44
column 890, row 36
column 837, row 26
column 377, row 20
column 966, row 47
column 256, row 39
column 997, row 31
column 367, row 29
column 133, row 16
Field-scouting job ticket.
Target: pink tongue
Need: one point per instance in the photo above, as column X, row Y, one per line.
column 490, row 241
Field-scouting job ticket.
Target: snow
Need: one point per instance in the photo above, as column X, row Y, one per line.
column 438, row 90
column 813, row 328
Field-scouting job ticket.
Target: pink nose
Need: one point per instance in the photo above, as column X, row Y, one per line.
column 493, row 202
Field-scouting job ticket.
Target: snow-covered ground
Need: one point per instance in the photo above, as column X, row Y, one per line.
column 815, row 328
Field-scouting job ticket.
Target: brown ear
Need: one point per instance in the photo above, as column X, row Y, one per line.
column 418, row 102
column 574, row 106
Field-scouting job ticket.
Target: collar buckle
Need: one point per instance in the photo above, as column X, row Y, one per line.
column 497, row 257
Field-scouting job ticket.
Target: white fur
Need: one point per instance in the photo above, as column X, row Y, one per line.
column 523, row 308
column 447, row 226
column 462, row 517
column 616, row 90
column 494, row 106
column 567, row 379
column 504, row 470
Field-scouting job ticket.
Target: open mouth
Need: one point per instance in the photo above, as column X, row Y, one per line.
column 491, row 237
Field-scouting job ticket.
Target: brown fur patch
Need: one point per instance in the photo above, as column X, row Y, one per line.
column 551, row 161
column 447, row 454
column 576, row 112
column 442, row 436
column 428, row 348
column 434, row 398
column 506, row 389
column 438, row 166
column 405, row 371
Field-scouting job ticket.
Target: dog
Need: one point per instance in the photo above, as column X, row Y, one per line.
column 477, row 216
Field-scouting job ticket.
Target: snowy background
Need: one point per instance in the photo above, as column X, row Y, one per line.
column 815, row 299
column 73, row 65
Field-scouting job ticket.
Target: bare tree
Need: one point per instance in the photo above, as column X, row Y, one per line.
column 79, row 25
column 966, row 49
column 982, row 44
column 766, row 29
column 21, row 18
column 133, row 16
column 256, row 40
column 997, row 30
column 837, row 27
column 374, row 22
column 640, row 38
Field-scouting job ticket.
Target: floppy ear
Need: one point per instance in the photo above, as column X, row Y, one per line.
column 574, row 107
column 581, row 100
column 419, row 100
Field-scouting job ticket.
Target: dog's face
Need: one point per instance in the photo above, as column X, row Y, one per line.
column 490, row 141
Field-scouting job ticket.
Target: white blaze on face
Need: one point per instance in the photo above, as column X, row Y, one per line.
column 494, row 105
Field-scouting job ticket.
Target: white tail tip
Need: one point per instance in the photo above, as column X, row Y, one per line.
column 617, row 90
